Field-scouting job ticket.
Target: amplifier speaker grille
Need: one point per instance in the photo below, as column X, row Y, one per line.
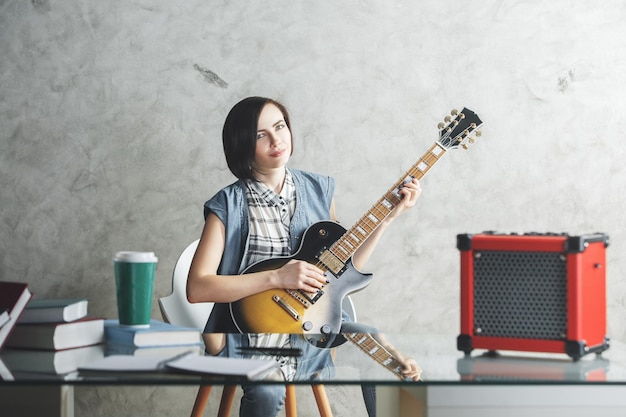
column 520, row 294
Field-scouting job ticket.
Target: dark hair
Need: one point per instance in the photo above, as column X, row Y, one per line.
column 239, row 134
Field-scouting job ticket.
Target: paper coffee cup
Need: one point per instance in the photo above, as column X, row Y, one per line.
column 134, row 283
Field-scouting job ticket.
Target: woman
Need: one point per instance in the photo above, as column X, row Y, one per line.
column 263, row 215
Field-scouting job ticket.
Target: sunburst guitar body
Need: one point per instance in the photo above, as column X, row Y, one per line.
column 316, row 315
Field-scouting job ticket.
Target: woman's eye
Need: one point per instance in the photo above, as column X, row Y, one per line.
column 280, row 126
column 260, row 136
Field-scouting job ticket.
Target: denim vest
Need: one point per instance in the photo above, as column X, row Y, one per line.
column 314, row 194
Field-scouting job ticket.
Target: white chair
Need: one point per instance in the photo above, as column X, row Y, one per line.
column 177, row 310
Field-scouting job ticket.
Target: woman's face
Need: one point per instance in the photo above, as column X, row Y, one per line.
column 273, row 140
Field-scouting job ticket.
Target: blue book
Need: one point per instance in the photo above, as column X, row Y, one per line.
column 158, row 334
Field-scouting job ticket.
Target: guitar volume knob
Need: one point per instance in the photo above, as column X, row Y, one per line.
column 325, row 329
column 307, row 325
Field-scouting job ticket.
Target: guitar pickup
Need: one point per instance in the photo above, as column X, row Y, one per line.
column 331, row 261
column 311, row 297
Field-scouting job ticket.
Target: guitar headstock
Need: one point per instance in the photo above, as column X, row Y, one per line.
column 459, row 129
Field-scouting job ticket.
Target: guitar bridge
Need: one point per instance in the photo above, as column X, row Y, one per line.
column 285, row 306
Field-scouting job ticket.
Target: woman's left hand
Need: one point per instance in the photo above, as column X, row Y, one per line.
column 410, row 192
column 410, row 369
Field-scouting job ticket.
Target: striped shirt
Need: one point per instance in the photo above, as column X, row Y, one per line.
column 270, row 216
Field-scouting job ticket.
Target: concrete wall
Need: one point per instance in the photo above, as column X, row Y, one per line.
column 111, row 115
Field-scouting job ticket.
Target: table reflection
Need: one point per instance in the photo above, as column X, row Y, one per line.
column 501, row 368
column 356, row 363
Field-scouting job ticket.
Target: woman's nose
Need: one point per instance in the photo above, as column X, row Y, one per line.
column 274, row 139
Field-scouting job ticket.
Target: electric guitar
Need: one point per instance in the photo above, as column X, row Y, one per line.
column 329, row 246
column 368, row 344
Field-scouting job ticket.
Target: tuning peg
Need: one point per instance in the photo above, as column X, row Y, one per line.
column 454, row 112
column 447, row 119
column 440, row 125
column 464, row 146
column 471, row 139
column 479, row 133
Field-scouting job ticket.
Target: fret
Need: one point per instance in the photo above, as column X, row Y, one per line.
column 367, row 226
column 343, row 250
column 347, row 253
column 429, row 161
column 392, row 197
column 373, row 218
column 348, row 244
column 387, row 204
column 379, row 212
column 437, row 150
column 371, row 221
column 354, row 238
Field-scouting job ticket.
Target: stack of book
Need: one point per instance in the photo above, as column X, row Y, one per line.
column 159, row 339
column 54, row 336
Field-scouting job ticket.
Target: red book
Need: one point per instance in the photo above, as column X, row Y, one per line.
column 13, row 298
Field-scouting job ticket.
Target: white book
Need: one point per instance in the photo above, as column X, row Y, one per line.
column 50, row 362
column 131, row 363
column 212, row 365
column 54, row 310
column 189, row 362
column 58, row 336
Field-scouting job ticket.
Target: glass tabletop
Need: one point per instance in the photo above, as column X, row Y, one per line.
column 437, row 355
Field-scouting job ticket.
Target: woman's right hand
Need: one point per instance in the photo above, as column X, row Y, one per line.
column 301, row 275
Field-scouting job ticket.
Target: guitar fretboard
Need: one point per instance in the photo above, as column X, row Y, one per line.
column 347, row 245
column 375, row 350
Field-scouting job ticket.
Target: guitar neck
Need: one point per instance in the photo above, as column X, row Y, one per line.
column 376, row 351
column 347, row 245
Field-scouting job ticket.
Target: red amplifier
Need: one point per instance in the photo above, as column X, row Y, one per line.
column 533, row 292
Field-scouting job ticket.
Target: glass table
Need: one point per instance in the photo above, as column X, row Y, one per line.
column 452, row 384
